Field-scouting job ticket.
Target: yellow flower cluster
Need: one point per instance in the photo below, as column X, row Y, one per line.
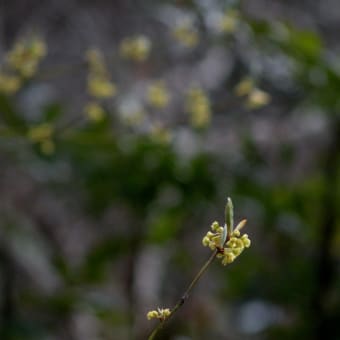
column 228, row 22
column 186, row 34
column 100, row 87
column 94, row 112
column 244, row 87
column 198, row 106
column 98, row 82
column 213, row 239
column 26, row 55
column 42, row 135
column 21, row 62
column 160, row 313
column 135, row 48
column 9, row 83
column 233, row 245
column 256, row 98
column 158, row 95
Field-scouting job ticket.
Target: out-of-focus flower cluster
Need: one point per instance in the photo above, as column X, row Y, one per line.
column 198, row 107
column 42, row 135
column 9, row 83
column 94, row 111
column 158, row 95
column 135, row 48
column 21, row 63
column 186, row 34
column 255, row 98
column 99, row 85
column 160, row 314
column 228, row 21
column 233, row 245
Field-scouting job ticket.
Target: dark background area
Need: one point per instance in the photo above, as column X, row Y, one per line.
column 107, row 223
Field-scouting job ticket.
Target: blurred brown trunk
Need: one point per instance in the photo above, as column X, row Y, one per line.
column 325, row 270
column 7, row 293
column 136, row 237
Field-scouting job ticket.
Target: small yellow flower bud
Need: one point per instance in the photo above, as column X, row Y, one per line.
column 214, row 226
column 237, row 251
column 205, row 241
column 245, row 240
column 239, row 243
column 216, row 239
column 232, row 243
column 164, row 312
column 152, row 314
column 236, row 233
column 212, row 245
column 228, row 258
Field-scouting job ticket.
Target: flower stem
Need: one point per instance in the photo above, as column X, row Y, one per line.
column 185, row 295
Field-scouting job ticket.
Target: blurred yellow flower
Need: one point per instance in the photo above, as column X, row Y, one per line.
column 42, row 135
column 95, row 61
column 9, row 83
column 160, row 313
column 94, row 112
column 40, row 132
column 158, row 95
column 228, row 22
column 186, row 34
column 100, row 87
column 26, row 55
column 135, row 48
column 98, row 83
column 198, row 107
column 47, row 147
column 257, row 98
column 244, row 87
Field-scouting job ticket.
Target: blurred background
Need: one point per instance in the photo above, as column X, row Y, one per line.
column 125, row 125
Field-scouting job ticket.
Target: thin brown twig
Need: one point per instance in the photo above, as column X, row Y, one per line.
column 185, row 295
